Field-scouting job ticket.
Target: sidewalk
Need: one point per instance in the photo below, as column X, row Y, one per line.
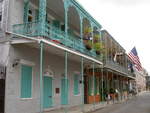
column 86, row 108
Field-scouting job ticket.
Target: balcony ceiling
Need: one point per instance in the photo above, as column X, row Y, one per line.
column 56, row 9
column 54, row 51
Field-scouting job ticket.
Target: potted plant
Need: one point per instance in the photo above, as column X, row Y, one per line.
column 112, row 93
column 88, row 44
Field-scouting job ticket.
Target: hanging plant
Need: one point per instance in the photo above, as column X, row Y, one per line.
column 87, row 38
column 99, row 48
column 87, row 33
column 96, row 38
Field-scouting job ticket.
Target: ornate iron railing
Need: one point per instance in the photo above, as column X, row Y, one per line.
column 55, row 34
column 114, row 65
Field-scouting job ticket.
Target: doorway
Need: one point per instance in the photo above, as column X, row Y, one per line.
column 47, row 92
column 2, row 95
column 64, row 91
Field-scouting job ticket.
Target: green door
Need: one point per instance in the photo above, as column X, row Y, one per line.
column 47, row 92
column 64, row 91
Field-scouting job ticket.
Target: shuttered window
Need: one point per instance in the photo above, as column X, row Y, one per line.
column 76, row 84
column 26, row 81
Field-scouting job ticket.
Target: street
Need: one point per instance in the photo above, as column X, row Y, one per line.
column 139, row 104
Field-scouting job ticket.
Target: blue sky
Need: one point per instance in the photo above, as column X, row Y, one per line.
column 128, row 21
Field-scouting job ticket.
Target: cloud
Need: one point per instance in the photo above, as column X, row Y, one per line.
column 127, row 21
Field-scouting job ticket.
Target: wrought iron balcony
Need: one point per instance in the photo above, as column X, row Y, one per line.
column 115, row 66
column 56, row 35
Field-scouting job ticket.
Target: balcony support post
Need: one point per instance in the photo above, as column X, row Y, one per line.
column 41, row 77
column 94, row 84
column 82, row 81
column 42, row 17
column 92, row 34
column 66, row 78
column 81, row 29
column 121, row 88
column 106, row 47
column 113, row 86
column 66, row 17
column 111, row 59
column 26, row 10
column 102, row 78
column 126, row 62
column 107, row 84
column 118, row 87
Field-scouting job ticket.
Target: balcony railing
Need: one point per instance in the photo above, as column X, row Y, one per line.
column 114, row 65
column 55, row 34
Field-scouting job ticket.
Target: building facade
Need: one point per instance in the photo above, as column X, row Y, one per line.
column 54, row 54
column 141, row 80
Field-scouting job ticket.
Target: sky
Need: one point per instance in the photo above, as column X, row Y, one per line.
column 128, row 21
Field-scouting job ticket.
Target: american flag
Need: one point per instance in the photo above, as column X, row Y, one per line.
column 133, row 55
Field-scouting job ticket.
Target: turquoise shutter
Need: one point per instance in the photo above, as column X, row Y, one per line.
column 76, row 84
column 26, row 81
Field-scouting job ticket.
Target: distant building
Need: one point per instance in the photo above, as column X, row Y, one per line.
column 141, row 80
column 148, row 82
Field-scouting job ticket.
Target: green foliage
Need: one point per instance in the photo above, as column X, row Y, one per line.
column 112, row 90
column 96, row 38
column 97, row 46
column 87, row 30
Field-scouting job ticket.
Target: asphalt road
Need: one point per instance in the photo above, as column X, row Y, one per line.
column 139, row 104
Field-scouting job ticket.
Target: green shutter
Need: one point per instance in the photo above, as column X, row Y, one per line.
column 76, row 84
column 90, row 88
column 26, row 81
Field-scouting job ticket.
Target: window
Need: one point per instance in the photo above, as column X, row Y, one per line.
column 30, row 16
column 76, row 84
column 93, row 85
column 26, row 81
